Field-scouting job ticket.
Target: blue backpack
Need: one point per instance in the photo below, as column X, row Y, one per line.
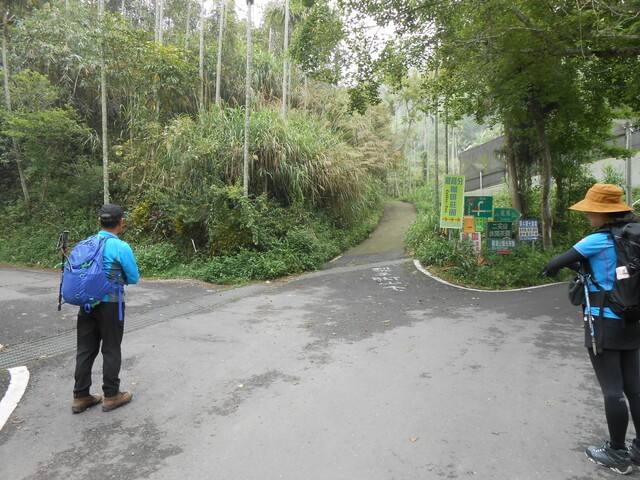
column 84, row 282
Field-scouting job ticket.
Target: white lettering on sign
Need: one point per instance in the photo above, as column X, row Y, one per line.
column 387, row 280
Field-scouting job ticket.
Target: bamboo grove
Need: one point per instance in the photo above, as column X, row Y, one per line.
column 143, row 103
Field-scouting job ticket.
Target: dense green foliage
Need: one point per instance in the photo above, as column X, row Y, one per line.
column 266, row 242
column 175, row 158
column 548, row 72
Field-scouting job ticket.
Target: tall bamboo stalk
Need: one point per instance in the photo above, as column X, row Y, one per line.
column 223, row 7
column 7, row 99
column 285, row 54
column 247, row 107
column 446, row 139
column 187, row 27
column 103, row 107
column 201, row 62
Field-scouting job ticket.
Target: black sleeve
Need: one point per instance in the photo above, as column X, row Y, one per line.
column 567, row 259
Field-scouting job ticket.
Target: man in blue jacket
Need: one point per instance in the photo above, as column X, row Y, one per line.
column 105, row 321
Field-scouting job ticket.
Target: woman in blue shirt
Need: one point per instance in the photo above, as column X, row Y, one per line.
column 616, row 359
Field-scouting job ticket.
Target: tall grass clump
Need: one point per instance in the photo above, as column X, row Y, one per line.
column 312, row 194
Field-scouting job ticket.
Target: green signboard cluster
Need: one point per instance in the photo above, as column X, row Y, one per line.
column 500, row 225
column 479, row 207
column 499, row 229
column 506, row 214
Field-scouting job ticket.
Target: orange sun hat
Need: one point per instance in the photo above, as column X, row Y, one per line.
column 602, row 198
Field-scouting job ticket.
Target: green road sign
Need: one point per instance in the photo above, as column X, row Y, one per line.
column 499, row 229
column 503, row 246
column 506, row 214
column 481, row 207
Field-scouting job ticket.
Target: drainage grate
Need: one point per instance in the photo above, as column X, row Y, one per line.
column 26, row 353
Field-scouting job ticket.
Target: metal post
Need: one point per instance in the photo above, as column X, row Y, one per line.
column 628, row 130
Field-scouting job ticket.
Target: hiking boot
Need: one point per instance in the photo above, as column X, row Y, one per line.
column 119, row 399
column 80, row 404
column 617, row 460
column 634, row 452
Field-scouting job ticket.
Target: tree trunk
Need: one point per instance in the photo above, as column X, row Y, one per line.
column 7, row 99
column 187, row 31
column 223, row 7
column 285, row 54
column 158, row 34
column 446, row 140
column 156, row 21
column 512, row 173
column 545, row 174
column 160, row 21
column 306, row 93
column 201, row 63
column 103, row 105
column 247, row 106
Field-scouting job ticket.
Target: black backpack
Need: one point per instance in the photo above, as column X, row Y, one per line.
column 624, row 297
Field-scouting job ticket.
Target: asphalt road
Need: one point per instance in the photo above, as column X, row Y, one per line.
column 367, row 370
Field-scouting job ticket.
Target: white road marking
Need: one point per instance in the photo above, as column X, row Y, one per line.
column 426, row 272
column 17, row 387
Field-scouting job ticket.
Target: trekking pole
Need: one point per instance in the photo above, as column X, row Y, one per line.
column 587, row 312
column 62, row 246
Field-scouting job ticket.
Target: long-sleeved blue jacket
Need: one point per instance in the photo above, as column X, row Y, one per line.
column 119, row 262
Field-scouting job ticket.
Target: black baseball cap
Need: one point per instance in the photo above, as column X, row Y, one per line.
column 109, row 212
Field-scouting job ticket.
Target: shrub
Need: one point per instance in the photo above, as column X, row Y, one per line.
column 456, row 260
column 157, row 259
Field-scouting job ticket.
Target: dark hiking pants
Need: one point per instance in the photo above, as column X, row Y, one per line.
column 100, row 326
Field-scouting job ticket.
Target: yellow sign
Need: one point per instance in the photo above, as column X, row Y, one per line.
column 469, row 224
column 451, row 212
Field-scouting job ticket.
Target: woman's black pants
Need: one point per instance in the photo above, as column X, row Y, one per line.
column 618, row 372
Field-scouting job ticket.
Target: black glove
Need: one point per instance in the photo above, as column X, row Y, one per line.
column 566, row 259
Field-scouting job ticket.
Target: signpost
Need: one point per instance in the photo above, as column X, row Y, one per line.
column 481, row 207
column 475, row 238
column 528, row 230
column 501, row 245
column 469, row 224
column 500, row 233
column 499, row 229
column 451, row 212
column 506, row 215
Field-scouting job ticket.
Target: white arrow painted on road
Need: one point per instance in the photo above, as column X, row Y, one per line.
column 17, row 387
